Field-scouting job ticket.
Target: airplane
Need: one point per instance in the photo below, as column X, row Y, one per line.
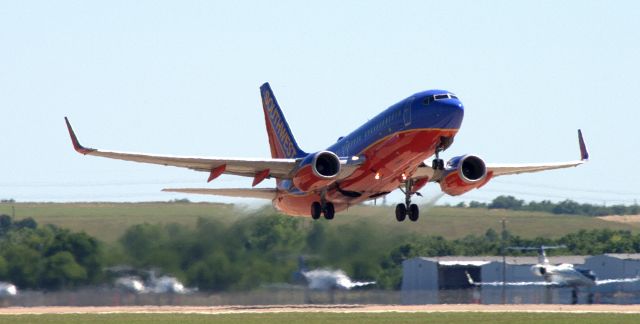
column 153, row 284
column 167, row 285
column 326, row 279
column 130, row 284
column 560, row 275
column 564, row 274
column 8, row 289
column 384, row 154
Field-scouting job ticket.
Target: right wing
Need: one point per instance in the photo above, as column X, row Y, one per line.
column 512, row 284
column 517, row 168
column 614, row 281
column 499, row 169
column 260, row 193
column 258, row 168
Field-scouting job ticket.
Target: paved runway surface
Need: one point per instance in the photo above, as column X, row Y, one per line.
column 324, row 308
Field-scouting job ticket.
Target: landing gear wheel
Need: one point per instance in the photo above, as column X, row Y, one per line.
column 414, row 212
column 316, row 210
column 401, row 212
column 329, row 211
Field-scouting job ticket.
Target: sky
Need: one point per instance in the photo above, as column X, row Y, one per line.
column 182, row 78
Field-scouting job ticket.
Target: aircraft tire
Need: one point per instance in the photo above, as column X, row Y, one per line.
column 401, row 212
column 329, row 211
column 414, row 212
column 316, row 210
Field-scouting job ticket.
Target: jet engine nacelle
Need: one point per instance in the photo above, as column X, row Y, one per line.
column 317, row 170
column 464, row 173
column 539, row 270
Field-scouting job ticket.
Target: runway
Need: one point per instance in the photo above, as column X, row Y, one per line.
column 622, row 309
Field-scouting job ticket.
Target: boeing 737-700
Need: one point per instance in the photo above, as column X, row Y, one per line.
column 384, row 154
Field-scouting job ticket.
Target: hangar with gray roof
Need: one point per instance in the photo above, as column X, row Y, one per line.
column 444, row 280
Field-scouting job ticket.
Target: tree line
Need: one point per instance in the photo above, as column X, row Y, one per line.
column 566, row 207
column 257, row 250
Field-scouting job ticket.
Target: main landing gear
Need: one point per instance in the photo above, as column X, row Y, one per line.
column 407, row 209
column 322, row 207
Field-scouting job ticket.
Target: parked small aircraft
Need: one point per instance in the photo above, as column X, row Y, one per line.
column 384, row 154
column 8, row 289
column 130, row 284
column 153, row 284
column 326, row 279
column 560, row 275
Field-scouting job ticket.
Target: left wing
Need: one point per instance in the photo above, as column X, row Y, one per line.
column 500, row 169
column 259, row 168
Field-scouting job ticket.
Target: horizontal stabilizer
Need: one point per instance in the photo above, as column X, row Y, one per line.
column 260, row 193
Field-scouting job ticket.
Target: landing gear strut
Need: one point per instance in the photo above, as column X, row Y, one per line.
column 322, row 207
column 407, row 209
column 438, row 163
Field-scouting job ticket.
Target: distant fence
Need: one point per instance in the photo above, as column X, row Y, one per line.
column 486, row 295
column 113, row 297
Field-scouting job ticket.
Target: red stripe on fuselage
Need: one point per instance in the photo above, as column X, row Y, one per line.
column 390, row 157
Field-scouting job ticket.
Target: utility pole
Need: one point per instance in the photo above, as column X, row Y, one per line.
column 13, row 212
column 503, row 251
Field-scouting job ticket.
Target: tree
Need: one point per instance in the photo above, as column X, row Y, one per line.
column 506, row 202
column 62, row 270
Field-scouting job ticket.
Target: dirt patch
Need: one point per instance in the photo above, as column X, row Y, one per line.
column 634, row 309
column 626, row 219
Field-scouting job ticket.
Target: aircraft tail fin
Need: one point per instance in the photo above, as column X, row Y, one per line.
column 281, row 140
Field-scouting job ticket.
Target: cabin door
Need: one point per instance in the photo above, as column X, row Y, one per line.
column 406, row 112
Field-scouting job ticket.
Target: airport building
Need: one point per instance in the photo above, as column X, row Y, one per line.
column 444, row 280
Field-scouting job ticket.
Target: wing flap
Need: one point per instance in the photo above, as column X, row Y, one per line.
column 260, row 193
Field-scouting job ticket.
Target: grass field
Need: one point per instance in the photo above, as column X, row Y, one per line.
column 107, row 221
column 308, row 318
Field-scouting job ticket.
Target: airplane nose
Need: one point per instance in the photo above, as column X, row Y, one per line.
column 454, row 105
column 452, row 112
column 432, row 112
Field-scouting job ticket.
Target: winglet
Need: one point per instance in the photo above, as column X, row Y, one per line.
column 584, row 154
column 76, row 144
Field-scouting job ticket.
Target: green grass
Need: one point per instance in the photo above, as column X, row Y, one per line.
column 308, row 318
column 108, row 221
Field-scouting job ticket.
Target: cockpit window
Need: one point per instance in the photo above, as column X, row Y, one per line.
column 430, row 99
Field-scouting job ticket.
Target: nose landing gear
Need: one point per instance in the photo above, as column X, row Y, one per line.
column 438, row 163
column 407, row 209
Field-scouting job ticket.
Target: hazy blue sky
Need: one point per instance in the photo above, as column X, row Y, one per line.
column 182, row 78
